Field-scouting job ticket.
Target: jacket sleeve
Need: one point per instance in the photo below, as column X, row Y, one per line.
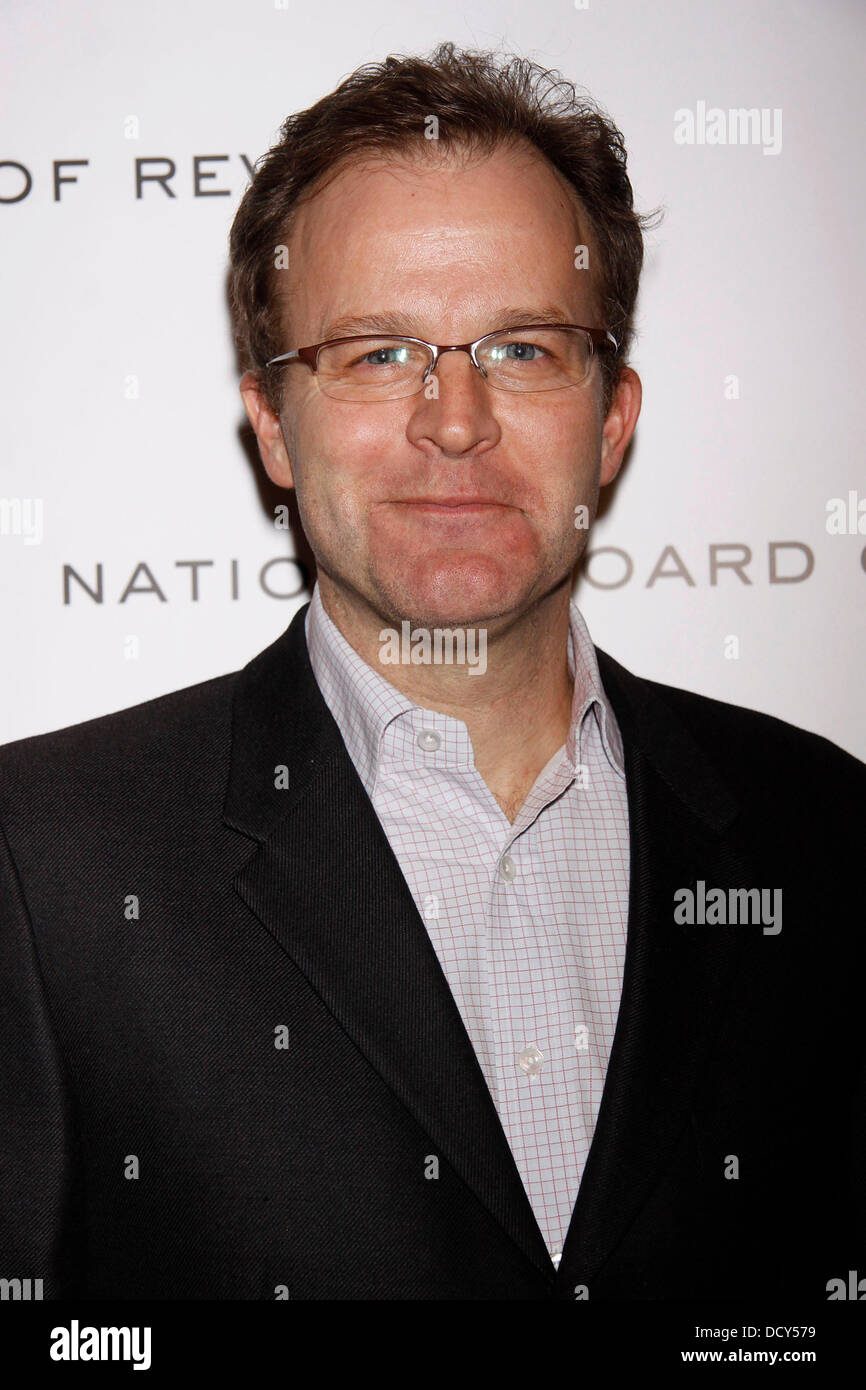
column 36, row 1125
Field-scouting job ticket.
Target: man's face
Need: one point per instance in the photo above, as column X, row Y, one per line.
column 448, row 251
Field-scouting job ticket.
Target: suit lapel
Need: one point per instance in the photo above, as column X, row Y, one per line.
column 327, row 886
column 675, row 977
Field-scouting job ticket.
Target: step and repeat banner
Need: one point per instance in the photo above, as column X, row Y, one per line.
column 138, row 548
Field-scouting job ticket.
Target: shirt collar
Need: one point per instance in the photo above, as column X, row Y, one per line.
column 364, row 703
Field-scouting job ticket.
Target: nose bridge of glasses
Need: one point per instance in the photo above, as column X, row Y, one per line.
column 469, row 348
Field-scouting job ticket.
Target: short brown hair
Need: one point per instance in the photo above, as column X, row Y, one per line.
column 480, row 103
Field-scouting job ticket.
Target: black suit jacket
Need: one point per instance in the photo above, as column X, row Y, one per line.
column 166, row 909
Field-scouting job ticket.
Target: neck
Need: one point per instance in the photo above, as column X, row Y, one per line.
column 516, row 705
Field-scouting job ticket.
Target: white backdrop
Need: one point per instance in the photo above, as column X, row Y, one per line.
column 121, row 435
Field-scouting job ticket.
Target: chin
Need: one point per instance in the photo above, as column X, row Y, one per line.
column 459, row 592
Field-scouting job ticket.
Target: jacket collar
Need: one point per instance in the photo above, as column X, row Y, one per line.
column 278, row 707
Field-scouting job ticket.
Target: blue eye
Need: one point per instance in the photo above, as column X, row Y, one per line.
column 384, row 357
column 518, row 352
column 532, row 346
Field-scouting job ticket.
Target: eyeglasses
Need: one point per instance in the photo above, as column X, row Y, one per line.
column 535, row 357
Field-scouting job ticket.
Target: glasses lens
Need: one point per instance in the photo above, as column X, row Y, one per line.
column 537, row 359
column 372, row 369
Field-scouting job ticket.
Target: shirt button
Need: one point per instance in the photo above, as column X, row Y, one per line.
column 429, row 740
column 530, row 1060
column 556, row 1257
column 508, row 868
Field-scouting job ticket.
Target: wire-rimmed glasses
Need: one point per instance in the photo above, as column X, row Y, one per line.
column 383, row 367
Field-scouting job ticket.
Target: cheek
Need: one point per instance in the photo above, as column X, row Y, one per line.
column 558, row 452
column 339, row 454
column 351, row 441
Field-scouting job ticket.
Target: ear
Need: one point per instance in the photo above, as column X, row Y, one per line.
column 268, row 431
column 619, row 423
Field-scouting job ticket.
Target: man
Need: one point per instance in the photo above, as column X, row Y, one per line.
column 434, row 955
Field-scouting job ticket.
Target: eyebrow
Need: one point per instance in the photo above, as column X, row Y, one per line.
column 403, row 325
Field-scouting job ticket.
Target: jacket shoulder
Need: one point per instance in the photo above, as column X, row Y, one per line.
column 747, row 747
column 147, row 743
column 762, row 735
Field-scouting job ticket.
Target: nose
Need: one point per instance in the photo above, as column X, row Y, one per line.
column 455, row 417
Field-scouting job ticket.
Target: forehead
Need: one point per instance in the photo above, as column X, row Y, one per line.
column 437, row 236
